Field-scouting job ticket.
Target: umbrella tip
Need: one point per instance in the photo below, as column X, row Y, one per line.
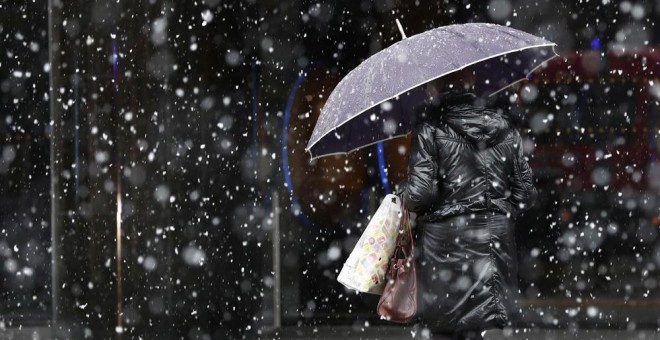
column 311, row 156
column 398, row 24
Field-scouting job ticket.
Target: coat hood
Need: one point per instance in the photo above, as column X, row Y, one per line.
column 477, row 123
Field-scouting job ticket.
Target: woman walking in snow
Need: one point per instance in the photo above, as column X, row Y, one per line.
column 467, row 181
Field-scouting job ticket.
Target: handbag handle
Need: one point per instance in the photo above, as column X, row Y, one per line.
column 405, row 216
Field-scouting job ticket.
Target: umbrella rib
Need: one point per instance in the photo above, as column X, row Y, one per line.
column 462, row 36
column 505, row 32
column 520, row 73
column 476, row 46
column 524, row 75
column 357, row 148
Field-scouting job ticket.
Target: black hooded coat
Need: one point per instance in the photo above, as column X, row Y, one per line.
column 467, row 181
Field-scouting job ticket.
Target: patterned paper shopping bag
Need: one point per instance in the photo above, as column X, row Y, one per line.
column 365, row 268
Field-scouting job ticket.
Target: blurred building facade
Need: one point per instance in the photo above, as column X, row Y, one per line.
column 154, row 180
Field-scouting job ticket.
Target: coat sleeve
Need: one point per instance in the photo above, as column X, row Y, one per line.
column 420, row 187
column 523, row 192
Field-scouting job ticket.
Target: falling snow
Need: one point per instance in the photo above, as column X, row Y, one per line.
column 155, row 182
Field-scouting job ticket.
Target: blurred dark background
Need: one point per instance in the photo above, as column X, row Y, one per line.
column 150, row 151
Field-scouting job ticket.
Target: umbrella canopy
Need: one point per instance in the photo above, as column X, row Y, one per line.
column 375, row 101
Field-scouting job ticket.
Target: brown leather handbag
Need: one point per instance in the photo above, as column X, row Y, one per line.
column 399, row 300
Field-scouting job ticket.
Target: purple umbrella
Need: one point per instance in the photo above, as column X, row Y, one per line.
column 375, row 101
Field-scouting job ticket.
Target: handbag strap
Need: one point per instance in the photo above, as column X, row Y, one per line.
column 405, row 217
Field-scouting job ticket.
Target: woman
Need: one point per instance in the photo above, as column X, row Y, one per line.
column 467, row 181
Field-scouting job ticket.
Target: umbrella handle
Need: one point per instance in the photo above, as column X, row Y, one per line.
column 398, row 24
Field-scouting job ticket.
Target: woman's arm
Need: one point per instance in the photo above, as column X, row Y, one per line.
column 420, row 188
column 523, row 192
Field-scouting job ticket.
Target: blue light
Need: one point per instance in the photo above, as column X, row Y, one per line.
column 595, row 43
column 115, row 63
column 295, row 206
column 381, row 168
column 285, row 132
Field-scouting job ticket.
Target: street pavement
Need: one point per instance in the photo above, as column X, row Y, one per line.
column 390, row 333
column 383, row 333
